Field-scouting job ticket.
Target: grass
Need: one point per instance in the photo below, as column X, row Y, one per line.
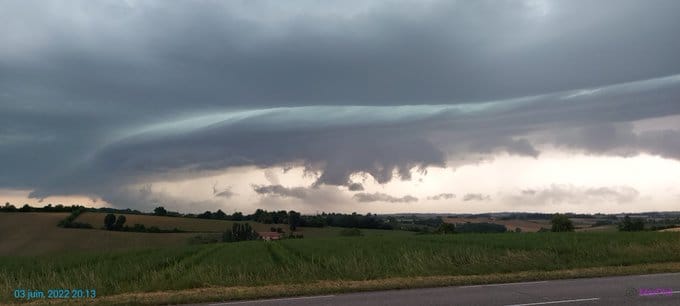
column 312, row 261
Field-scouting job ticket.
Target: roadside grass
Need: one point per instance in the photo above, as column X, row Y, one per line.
column 306, row 263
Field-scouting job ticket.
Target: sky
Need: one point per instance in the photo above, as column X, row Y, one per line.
column 343, row 106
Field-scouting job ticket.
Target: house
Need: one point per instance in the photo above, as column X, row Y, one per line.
column 269, row 235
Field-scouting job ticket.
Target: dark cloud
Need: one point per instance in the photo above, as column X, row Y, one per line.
column 223, row 193
column 281, row 191
column 618, row 139
column 99, row 95
column 355, row 187
column 476, row 197
column 442, row 196
column 382, row 197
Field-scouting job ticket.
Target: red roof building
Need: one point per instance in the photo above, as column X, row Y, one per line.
column 269, row 235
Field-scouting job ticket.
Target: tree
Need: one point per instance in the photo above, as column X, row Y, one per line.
column 160, row 211
column 109, row 221
column 561, row 223
column 446, row 228
column 239, row 232
column 119, row 222
column 205, row 215
column 219, row 214
column 631, row 225
column 294, row 219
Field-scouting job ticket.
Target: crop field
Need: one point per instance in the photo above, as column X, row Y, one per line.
column 96, row 219
column 524, row 225
column 37, row 233
column 299, row 261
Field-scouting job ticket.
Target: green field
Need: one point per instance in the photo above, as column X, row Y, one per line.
column 309, row 260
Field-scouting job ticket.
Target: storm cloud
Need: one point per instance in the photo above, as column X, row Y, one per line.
column 99, row 96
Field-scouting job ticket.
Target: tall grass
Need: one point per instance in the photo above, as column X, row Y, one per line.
column 346, row 258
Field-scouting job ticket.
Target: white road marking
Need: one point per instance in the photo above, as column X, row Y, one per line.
column 275, row 300
column 556, row 302
column 505, row 284
column 659, row 293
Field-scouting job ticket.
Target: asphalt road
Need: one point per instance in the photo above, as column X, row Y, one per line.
column 621, row 290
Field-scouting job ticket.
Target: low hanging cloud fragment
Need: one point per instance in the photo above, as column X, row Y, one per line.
column 280, row 191
column 476, row 197
column 355, row 187
column 383, row 197
column 222, row 193
column 442, row 196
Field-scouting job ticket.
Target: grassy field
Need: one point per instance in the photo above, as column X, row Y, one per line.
column 311, row 260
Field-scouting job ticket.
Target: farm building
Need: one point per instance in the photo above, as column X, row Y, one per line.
column 269, row 235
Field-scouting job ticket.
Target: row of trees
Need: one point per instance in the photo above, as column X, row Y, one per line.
column 70, row 222
column 47, row 208
column 111, row 223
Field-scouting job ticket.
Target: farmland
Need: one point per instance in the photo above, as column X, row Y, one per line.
column 169, row 223
column 310, row 260
column 37, row 233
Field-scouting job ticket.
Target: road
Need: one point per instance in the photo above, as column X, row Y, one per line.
column 620, row 290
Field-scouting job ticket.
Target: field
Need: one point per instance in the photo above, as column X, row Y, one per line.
column 675, row 229
column 37, row 233
column 214, row 226
column 524, row 225
column 169, row 223
column 311, row 260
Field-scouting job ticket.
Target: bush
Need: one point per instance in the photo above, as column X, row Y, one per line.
column 561, row 223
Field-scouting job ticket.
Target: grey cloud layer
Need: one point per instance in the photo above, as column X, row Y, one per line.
column 383, row 197
column 243, row 83
column 560, row 193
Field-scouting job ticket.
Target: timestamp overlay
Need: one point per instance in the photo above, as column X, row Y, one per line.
column 54, row 293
